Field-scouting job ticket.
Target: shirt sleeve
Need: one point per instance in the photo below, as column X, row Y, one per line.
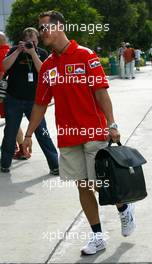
column 3, row 54
column 95, row 73
column 43, row 91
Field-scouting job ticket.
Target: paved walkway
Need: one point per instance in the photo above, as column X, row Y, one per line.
column 36, row 210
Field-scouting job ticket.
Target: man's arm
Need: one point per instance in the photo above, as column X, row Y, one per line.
column 37, row 115
column 9, row 60
column 105, row 104
column 37, row 62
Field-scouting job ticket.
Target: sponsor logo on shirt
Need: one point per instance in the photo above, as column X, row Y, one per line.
column 94, row 63
column 78, row 68
column 70, row 69
column 50, row 76
column 53, row 73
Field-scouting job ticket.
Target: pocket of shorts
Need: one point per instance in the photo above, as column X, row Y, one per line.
column 94, row 146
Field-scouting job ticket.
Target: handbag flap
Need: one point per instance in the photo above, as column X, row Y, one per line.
column 124, row 156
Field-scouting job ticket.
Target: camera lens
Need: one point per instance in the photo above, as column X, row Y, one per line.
column 29, row 45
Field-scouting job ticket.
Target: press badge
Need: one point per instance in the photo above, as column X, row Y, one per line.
column 30, row 77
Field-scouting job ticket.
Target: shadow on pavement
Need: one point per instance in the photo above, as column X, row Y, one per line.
column 11, row 192
column 113, row 259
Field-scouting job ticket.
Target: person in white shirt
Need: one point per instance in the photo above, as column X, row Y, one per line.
column 122, row 60
column 138, row 53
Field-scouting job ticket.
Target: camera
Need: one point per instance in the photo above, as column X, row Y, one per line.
column 29, row 45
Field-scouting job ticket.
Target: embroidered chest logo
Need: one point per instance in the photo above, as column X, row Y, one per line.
column 78, row 68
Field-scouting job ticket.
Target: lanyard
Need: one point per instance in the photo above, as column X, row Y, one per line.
column 29, row 63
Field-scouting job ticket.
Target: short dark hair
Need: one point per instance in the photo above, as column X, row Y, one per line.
column 55, row 16
column 30, row 30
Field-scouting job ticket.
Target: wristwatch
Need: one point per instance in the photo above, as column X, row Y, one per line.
column 113, row 126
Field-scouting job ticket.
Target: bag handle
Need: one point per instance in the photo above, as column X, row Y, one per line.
column 111, row 142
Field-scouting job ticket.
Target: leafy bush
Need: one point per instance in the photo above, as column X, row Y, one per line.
column 142, row 62
column 105, row 64
column 25, row 14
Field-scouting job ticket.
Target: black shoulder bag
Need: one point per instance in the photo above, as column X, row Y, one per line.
column 120, row 170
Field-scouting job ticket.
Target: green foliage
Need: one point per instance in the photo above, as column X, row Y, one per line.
column 104, row 61
column 105, row 64
column 25, row 13
column 129, row 20
column 142, row 62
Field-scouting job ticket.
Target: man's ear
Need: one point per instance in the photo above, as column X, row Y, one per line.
column 61, row 27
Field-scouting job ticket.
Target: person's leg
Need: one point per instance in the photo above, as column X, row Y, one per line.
column 73, row 167
column 13, row 112
column 90, row 151
column 132, row 69
column 44, row 141
column 122, row 67
column 126, row 211
column 90, row 207
column 88, row 202
column 128, row 70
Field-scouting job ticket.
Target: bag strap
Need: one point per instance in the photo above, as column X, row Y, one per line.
column 111, row 142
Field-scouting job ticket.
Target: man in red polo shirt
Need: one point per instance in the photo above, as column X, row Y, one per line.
column 74, row 76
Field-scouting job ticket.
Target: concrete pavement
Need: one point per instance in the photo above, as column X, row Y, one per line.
column 36, row 210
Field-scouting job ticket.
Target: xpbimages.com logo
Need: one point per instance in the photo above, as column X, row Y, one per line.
column 90, row 28
column 90, row 184
column 52, row 77
column 91, row 132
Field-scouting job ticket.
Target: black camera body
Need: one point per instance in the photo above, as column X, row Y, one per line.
column 29, row 45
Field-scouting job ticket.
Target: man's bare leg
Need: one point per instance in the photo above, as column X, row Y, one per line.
column 89, row 203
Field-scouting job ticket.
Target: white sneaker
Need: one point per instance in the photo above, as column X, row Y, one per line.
column 96, row 243
column 128, row 220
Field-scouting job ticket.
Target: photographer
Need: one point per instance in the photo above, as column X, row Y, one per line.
column 22, row 64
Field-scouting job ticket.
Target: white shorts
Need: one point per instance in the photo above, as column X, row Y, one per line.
column 78, row 162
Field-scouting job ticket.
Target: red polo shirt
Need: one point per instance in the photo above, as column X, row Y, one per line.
column 72, row 79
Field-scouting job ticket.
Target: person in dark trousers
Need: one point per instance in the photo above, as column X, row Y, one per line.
column 80, row 107
column 22, row 64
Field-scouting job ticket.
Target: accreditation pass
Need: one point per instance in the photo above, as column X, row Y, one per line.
column 30, row 77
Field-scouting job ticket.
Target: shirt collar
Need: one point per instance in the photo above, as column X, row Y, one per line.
column 71, row 48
